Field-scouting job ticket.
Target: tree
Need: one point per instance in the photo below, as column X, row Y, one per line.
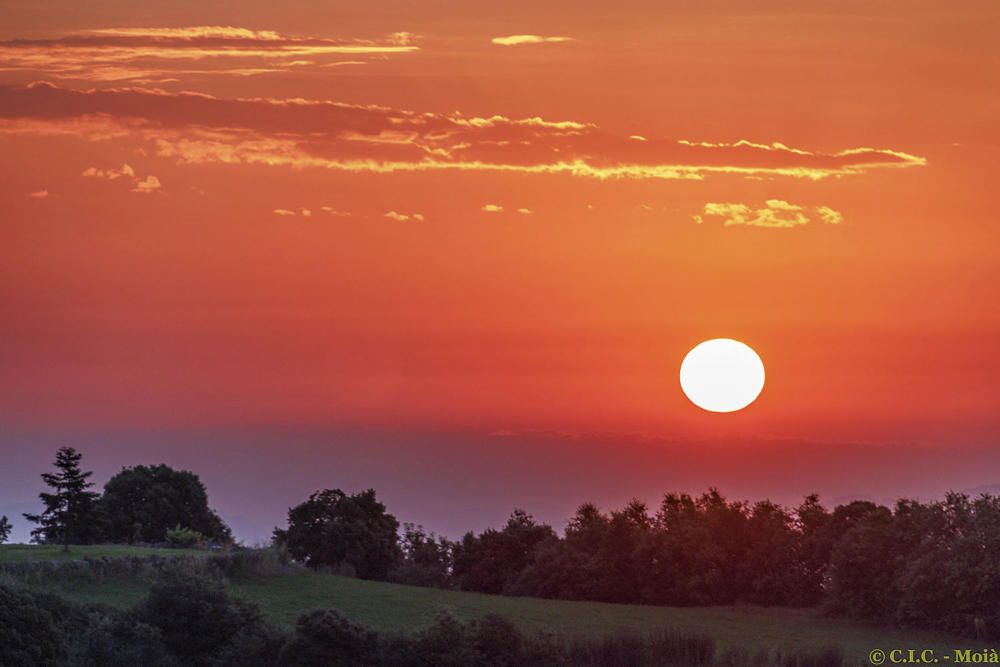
column 333, row 529
column 71, row 515
column 491, row 561
column 143, row 503
column 426, row 559
column 5, row 528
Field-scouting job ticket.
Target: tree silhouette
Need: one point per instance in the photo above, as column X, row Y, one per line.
column 4, row 529
column 70, row 515
column 142, row 503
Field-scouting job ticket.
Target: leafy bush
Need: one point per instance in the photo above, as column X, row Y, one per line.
column 324, row 637
column 197, row 618
column 29, row 634
column 113, row 638
column 266, row 562
column 184, row 537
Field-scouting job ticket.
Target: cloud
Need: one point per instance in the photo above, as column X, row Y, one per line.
column 518, row 40
column 159, row 54
column 525, row 211
column 146, row 185
column 403, row 217
column 196, row 128
column 493, row 208
column 110, row 174
column 308, row 212
column 776, row 213
column 329, row 210
column 829, row 216
column 39, row 194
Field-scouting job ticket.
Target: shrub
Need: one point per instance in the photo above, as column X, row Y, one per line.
column 240, row 562
column 324, row 637
column 29, row 634
column 196, row 617
column 118, row 639
column 259, row 646
column 184, row 537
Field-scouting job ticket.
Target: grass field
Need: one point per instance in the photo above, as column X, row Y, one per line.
column 29, row 552
column 397, row 608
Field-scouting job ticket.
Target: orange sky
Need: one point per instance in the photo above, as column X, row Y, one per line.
column 500, row 219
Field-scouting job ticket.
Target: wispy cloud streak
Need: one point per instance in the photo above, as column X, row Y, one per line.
column 200, row 128
column 161, row 54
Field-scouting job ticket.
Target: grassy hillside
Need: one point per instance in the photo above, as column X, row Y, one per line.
column 393, row 607
column 32, row 552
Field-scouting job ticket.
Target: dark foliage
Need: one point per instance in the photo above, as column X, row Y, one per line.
column 5, row 529
column 196, row 618
column 29, row 634
column 426, row 559
column 333, row 529
column 114, row 638
column 70, row 515
column 933, row 565
column 324, row 637
column 489, row 562
column 144, row 503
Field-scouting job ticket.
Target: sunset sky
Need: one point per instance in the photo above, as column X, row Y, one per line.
column 457, row 251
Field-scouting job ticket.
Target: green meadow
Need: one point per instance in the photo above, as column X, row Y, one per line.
column 398, row 608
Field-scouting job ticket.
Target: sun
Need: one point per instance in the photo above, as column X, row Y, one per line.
column 722, row 375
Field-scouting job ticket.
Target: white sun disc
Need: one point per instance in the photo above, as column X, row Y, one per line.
column 722, row 375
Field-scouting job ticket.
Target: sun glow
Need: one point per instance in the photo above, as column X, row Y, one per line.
column 722, row 375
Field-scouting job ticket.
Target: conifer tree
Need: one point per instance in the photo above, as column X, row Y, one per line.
column 70, row 515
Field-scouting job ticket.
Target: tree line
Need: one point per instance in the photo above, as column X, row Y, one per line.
column 139, row 505
column 933, row 565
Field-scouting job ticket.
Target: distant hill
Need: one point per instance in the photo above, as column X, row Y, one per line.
column 397, row 608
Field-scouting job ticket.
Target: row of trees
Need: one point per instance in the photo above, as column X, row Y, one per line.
column 933, row 565
column 142, row 504
column 929, row 564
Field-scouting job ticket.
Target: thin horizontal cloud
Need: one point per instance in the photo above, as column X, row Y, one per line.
column 162, row 54
column 525, row 211
column 305, row 212
column 518, row 40
column 404, row 217
column 197, row 128
column 329, row 210
column 39, row 194
column 493, row 208
column 776, row 213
